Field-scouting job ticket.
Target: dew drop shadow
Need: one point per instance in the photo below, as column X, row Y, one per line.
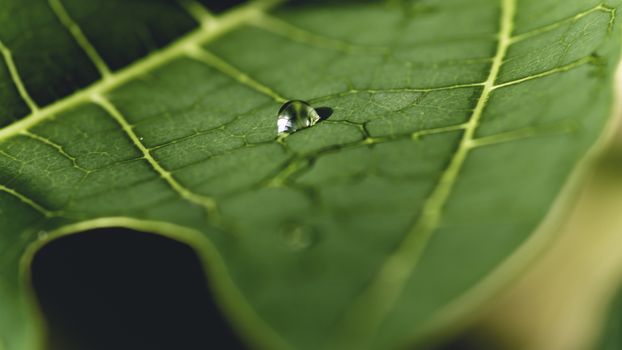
column 324, row 112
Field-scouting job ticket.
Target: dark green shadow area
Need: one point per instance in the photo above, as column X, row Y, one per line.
column 121, row 289
column 470, row 340
column 219, row 6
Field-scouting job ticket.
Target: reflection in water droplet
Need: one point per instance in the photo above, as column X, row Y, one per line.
column 300, row 237
column 295, row 115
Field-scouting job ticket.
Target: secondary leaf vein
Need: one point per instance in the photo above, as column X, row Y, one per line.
column 294, row 33
column 553, row 26
column 36, row 206
column 202, row 55
column 17, row 79
column 227, row 22
column 371, row 308
column 578, row 63
column 204, row 201
column 77, row 33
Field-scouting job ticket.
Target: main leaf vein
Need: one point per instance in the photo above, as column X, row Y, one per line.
column 371, row 308
column 227, row 22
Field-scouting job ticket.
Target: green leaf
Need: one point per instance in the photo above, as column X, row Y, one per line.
column 455, row 126
column 611, row 337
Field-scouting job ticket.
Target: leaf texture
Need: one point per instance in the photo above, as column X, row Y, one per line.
column 455, row 126
column 611, row 336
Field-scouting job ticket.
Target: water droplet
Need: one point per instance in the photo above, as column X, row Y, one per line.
column 295, row 115
column 300, row 237
column 42, row 234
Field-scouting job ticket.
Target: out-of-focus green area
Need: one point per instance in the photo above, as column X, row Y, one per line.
column 611, row 335
column 570, row 298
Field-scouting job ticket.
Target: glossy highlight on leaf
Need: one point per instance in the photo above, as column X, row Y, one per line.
column 455, row 125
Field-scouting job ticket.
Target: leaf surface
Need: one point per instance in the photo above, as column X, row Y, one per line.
column 455, row 126
column 611, row 335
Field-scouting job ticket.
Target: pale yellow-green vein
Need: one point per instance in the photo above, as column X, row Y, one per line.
column 81, row 39
column 17, row 79
column 524, row 133
column 227, row 22
column 57, row 147
column 294, row 33
column 374, row 304
column 396, row 90
column 199, row 12
column 205, row 201
column 578, row 63
column 198, row 53
column 568, row 20
column 228, row 294
column 36, row 206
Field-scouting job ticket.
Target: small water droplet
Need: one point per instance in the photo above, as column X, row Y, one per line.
column 42, row 234
column 300, row 237
column 141, row 138
column 295, row 115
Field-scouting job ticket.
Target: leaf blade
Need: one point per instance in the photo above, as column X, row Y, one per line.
column 176, row 135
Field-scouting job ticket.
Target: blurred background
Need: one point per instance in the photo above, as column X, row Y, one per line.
column 570, row 298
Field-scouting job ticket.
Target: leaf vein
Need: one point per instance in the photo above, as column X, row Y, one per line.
column 395, row 90
column 33, row 204
column 227, row 22
column 57, row 147
column 524, row 133
column 290, row 31
column 17, row 79
column 207, row 202
column 285, row 175
column 578, row 63
column 199, row 12
column 372, row 306
column 81, row 39
column 555, row 25
column 202, row 55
